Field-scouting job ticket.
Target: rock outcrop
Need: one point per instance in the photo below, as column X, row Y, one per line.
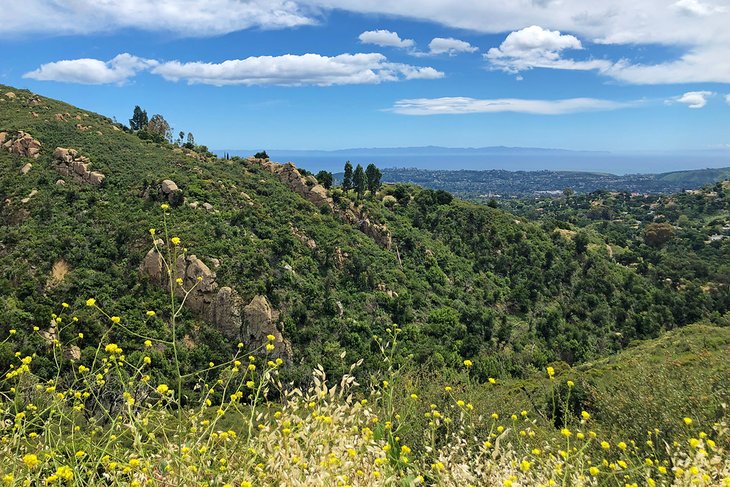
column 167, row 190
column 20, row 143
column 221, row 306
column 69, row 163
column 310, row 190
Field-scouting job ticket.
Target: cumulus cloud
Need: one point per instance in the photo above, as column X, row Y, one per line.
column 535, row 47
column 384, row 38
column 697, row 28
column 695, row 99
column 464, row 105
column 296, row 70
column 449, row 45
column 92, row 71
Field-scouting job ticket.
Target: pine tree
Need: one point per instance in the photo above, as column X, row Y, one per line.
column 347, row 178
column 358, row 181
column 324, row 178
column 373, row 175
column 139, row 119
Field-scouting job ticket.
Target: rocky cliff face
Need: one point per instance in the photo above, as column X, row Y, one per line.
column 221, row 306
column 69, row 163
column 311, row 191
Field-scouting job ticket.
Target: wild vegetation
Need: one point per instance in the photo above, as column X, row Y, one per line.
column 464, row 312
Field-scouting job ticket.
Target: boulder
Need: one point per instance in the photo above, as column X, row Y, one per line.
column 207, row 207
column 60, row 182
column 96, row 178
column 227, row 312
column 10, row 95
column 168, row 186
column 72, row 353
column 259, row 322
column 79, row 168
column 25, row 169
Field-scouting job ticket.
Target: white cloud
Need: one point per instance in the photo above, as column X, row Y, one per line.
column 695, row 99
column 385, row 38
column 464, row 105
column 695, row 7
column 286, row 70
column 190, row 18
column 450, row 46
column 92, row 71
column 296, row 70
column 702, row 40
column 727, row 98
column 535, row 47
column 696, row 28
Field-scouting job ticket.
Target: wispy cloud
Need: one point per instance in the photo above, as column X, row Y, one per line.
column 464, row 105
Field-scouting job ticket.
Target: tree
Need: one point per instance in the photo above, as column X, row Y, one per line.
column 190, row 144
column 139, row 119
column 261, row 155
column 373, row 175
column 159, row 129
column 180, row 138
column 657, row 234
column 358, row 181
column 347, row 178
column 325, row 179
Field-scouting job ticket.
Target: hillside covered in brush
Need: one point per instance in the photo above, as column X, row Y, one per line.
column 270, row 251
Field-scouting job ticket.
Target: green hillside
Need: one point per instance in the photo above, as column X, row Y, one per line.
column 119, row 372
column 463, row 280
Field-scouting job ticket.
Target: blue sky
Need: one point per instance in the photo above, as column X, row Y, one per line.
column 314, row 74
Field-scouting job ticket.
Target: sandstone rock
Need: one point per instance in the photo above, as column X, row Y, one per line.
column 69, row 163
column 26, row 168
column 207, row 207
column 194, row 205
column 169, row 186
column 259, row 322
column 10, row 95
column 29, row 197
column 22, row 144
column 3, row 136
column 60, row 182
column 310, row 180
column 72, row 353
column 152, row 265
column 79, row 168
column 96, row 178
column 223, row 307
column 228, row 312
column 58, row 117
